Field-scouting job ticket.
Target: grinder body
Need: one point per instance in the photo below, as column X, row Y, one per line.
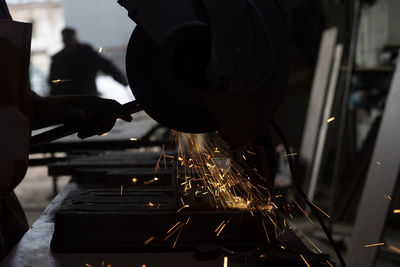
column 204, row 65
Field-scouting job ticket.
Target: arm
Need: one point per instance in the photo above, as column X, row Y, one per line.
column 109, row 68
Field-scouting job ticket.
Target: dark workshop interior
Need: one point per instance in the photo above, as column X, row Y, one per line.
column 189, row 133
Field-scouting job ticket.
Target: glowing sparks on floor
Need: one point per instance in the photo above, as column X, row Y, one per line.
column 380, row 164
column 122, row 189
column 100, row 49
column 133, row 139
column 134, row 180
column 104, row 134
column 330, row 119
column 374, row 245
column 396, row 211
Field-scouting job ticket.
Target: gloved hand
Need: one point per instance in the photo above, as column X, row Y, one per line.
column 91, row 114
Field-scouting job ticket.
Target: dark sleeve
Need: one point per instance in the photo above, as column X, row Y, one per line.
column 4, row 12
column 105, row 65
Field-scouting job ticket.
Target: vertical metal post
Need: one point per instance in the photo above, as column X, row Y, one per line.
column 346, row 93
column 381, row 180
column 321, row 139
column 317, row 100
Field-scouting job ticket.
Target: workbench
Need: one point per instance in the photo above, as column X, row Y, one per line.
column 34, row 249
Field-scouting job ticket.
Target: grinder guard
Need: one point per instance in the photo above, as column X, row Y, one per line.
column 202, row 65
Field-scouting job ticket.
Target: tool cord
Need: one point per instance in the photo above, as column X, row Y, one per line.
column 314, row 210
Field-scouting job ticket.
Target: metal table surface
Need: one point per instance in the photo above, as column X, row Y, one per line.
column 34, row 249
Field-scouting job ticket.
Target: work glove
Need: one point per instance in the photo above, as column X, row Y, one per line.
column 93, row 115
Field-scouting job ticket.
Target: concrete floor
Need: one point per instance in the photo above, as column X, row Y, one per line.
column 35, row 191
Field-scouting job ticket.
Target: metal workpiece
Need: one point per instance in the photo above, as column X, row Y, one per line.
column 34, row 249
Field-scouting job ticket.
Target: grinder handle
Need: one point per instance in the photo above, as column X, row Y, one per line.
column 62, row 131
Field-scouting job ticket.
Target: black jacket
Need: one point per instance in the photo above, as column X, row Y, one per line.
column 75, row 73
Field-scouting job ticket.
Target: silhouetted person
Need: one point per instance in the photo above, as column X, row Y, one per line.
column 73, row 70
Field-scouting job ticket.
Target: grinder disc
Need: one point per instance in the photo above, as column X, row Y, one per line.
column 166, row 80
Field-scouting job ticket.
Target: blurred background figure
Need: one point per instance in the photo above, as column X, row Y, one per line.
column 74, row 69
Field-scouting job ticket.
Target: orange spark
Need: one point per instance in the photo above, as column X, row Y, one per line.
column 173, row 227
column 265, row 230
column 329, row 263
column 220, row 230
column 151, row 181
column 133, row 139
column 395, row 249
column 216, row 230
column 225, row 261
column 388, row 197
column 251, row 152
column 318, row 208
column 57, row 81
column 303, row 211
column 330, row 119
column 308, row 265
column 291, row 154
column 177, row 237
column 148, row 240
column 122, row 189
column 374, row 245
column 396, row 211
column 184, row 207
column 174, row 231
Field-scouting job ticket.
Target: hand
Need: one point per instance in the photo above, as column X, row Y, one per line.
column 92, row 115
